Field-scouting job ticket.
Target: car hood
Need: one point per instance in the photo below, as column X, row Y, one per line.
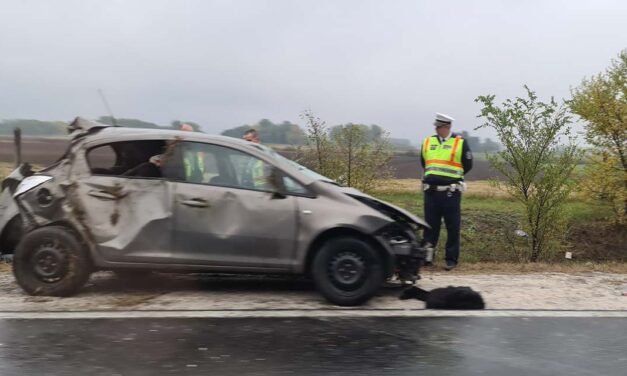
column 384, row 207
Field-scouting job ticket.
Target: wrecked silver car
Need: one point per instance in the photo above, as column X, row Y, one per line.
column 128, row 199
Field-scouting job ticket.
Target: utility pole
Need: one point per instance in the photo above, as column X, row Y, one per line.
column 17, row 139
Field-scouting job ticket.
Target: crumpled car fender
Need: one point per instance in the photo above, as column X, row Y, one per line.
column 366, row 225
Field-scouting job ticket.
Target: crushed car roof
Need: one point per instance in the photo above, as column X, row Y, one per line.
column 81, row 126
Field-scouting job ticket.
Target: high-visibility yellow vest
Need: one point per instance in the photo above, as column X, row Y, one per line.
column 259, row 176
column 188, row 162
column 193, row 160
column 443, row 159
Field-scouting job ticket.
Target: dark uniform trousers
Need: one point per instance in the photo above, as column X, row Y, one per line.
column 437, row 206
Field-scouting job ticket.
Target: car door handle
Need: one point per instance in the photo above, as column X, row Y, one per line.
column 105, row 195
column 196, row 203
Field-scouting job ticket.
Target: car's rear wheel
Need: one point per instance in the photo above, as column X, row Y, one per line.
column 51, row 261
column 348, row 271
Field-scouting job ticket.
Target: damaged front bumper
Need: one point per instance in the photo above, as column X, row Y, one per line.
column 11, row 227
column 408, row 254
column 398, row 237
column 37, row 198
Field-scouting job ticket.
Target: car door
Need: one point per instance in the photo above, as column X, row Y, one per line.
column 129, row 218
column 226, row 215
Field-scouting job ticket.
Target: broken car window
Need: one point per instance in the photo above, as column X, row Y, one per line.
column 101, row 159
column 144, row 158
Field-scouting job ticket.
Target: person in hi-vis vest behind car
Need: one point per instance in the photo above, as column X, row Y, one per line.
column 445, row 158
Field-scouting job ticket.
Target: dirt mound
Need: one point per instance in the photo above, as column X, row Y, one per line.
column 598, row 241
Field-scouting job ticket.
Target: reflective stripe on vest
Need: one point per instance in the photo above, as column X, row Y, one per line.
column 443, row 159
column 193, row 160
column 446, row 171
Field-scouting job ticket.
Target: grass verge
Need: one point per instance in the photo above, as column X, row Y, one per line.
column 5, row 169
column 537, row 267
column 490, row 219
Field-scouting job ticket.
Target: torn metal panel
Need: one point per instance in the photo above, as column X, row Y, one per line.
column 81, row 126
column 41, row 204
column 129, row 219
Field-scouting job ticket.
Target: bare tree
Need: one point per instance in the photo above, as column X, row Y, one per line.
column 346, row 155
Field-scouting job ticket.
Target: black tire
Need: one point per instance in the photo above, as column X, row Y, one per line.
column 51, row 261
column 347, row 271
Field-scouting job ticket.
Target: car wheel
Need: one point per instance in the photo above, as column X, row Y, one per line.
column 51, row 261
column 347, row 271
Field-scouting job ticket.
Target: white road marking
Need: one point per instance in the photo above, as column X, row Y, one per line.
column 303, row 313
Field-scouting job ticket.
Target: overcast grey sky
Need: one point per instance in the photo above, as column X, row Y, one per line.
column 228, row 63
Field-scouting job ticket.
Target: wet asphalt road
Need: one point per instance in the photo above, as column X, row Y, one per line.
column 315, row 346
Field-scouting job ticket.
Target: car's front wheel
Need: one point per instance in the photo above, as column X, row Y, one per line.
column 348, row 271
column 51, row 261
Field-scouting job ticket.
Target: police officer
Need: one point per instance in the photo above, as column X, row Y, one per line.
column 257, row 168
column 194, row 161
column 445, row 158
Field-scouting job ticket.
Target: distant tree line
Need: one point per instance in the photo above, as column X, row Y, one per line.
column 136, row 123
column 477, row 145
column 284, row 133
column 287, row 133
column 32, row 127
column 39, row 128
